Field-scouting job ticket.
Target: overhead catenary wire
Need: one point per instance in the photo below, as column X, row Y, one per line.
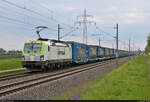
column 27, row 9
column 23, row 27
column 110, row 35
column 52, row 18
column 69, row 32
column 19, row 13
column 105, row 32
column 44, row 8
column 19, row 21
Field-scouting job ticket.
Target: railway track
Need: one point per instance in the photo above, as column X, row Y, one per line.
column 34, row 79
column 21, row 85
column 9, row 77
column 15, row 76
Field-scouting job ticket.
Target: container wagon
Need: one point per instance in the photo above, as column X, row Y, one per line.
column 79, row 52
column 100, row 53
column 107, row 54
column 92, row 53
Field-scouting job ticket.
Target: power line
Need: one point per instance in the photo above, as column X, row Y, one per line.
column 69, row 33
column 29, row 10
column 25, row 14
column 14, row 20
column 84, row 22
column 110, row 34
column 24, row 8
column 52, row 18
column 105, row 32
column 11, row 19
column 51, row 29
column 24, row 27
column 44, row 8
column 10, row 10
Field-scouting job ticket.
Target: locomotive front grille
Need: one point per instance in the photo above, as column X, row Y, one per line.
column 32, row 58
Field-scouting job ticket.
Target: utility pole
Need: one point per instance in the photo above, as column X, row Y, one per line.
column 99, row 42
column 84, row 22
column 117, row 37
column 59, row 32
column 117, row 44
column 112, row 45
column 124, row 45
column 133, row 45
column 129, row 47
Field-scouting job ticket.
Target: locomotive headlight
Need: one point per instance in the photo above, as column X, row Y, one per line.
column 42, row 57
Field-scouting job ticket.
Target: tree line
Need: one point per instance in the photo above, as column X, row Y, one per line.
column 3, row 52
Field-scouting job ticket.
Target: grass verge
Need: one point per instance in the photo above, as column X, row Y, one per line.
column 13, row 72
column 131, row 81
column 8, row 64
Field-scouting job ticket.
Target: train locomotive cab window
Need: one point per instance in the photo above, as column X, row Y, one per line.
column 32, row 47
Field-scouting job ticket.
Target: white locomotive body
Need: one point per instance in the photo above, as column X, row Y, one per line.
column 44, row 54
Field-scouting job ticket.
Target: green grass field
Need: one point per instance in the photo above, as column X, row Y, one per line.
column 131, row 81
column 13, row 63
column 13, row 72
column 9, row 57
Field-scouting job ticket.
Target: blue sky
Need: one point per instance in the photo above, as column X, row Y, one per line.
column 131, row 15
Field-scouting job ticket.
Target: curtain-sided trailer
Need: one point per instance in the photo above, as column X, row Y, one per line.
column 79, row 52
column 82, row 53
column 92, row 53
column 100, row 52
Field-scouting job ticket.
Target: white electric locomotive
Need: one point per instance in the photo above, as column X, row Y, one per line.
column 43, row 54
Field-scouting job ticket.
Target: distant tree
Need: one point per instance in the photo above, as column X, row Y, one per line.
column 147, row 48
column 148, row 41
column 10, row 52
column 2, row 51
column 14, row 52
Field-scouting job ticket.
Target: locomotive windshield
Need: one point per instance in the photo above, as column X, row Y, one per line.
column 32, row 47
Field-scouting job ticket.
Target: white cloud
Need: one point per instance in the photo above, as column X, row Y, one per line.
column 96, row 19
column 69, row 8
column 112, row 9
column 128, row 16
column 61, row 7
column 134, row 17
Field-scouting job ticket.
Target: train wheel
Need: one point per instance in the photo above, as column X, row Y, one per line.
column 44, row 68
column 65, row 65
column 58, row 66
column 49, row 66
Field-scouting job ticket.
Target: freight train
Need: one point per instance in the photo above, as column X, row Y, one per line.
column 44, row 54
